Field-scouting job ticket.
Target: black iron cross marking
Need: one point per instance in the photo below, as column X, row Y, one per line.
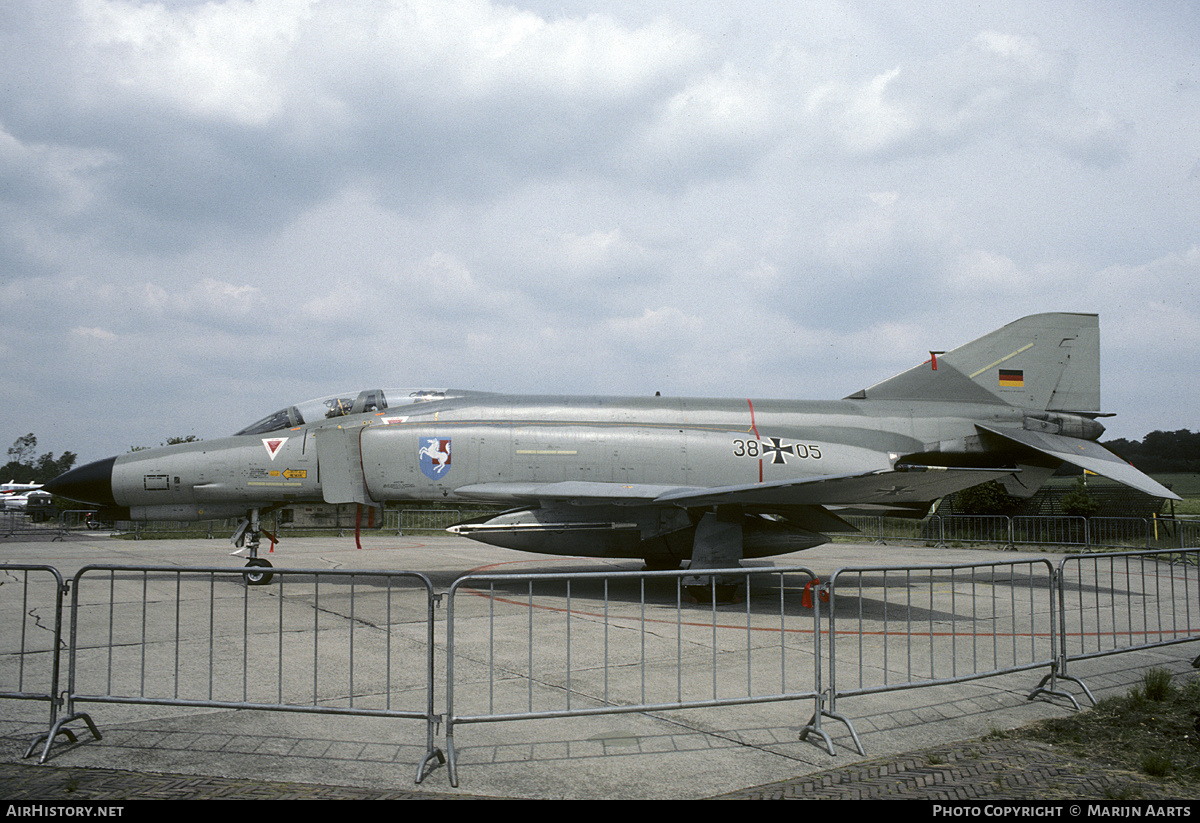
column 779, row 449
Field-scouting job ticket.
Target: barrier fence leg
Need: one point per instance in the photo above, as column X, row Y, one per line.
column 824, row 593
column 431, row 750
column 1049, row 685
column 58, row 729
column 814, row 725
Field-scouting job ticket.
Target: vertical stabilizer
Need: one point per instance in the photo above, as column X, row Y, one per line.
column 1043, row 361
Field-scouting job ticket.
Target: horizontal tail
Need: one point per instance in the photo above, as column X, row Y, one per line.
column 1086, row 455
column 1043, row 361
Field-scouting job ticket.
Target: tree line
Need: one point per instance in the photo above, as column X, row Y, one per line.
column 1160, row 451
column 26, row 466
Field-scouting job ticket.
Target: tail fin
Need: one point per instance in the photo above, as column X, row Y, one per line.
column 1043, row 361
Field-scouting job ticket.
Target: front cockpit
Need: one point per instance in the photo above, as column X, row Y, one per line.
column 339, row 405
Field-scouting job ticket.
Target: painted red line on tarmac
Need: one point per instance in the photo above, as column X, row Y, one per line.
column 851, row 633
column 481, row 569
column 601, row 615
column 1161, row 634
column 389, row 548
column 562, row 610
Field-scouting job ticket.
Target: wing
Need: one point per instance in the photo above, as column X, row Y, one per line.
column 902, row 487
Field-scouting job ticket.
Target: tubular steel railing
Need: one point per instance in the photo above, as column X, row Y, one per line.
column 18, row 523
column 403, row 521
column 411, row 520
column 1125, row 601
column 973, row 528
column 521, row 647
column 577, row 644
column 1122, row 533
column 1050, row 531
column 31, row 611
column 321, row 641
column 1083, row 533
column 932, row 625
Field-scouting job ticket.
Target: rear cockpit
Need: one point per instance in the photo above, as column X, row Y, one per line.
column 339, row 405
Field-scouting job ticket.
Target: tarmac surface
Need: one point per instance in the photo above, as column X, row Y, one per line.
column 937, row 742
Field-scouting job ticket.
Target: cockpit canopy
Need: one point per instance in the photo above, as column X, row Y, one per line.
column 337, row 405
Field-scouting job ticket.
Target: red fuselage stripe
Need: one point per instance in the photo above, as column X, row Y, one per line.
column 754, row 428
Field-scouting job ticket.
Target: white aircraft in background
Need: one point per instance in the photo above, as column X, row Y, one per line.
column 14, row 495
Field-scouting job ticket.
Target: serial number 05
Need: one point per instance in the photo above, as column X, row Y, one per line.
column 775, row 448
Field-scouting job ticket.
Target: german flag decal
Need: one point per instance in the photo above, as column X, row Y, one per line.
column 1012, row 379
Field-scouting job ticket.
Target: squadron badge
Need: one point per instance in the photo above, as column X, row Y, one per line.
column 435, row 457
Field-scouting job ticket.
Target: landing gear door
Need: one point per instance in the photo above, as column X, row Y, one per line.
column 339, row 461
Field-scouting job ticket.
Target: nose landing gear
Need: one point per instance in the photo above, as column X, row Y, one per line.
column 247, row 536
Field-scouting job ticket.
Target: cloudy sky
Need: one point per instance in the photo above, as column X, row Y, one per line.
column 209, row 210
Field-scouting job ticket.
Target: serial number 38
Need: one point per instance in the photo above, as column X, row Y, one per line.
column 775, row 449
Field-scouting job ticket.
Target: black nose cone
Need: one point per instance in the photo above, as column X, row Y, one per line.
column 87, row 484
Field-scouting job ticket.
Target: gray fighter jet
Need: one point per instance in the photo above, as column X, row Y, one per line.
column 661, row 478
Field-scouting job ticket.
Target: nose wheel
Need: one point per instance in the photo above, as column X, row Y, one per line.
column 247, row 536
column 258, row 578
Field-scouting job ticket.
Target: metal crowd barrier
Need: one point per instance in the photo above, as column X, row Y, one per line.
column 883, row 530
column 526, row 646
column 31, row 607
column 933, row 625
column 420, row 519
column 973, row 528
column 175, row 529
column 567, row 645
column 1119, row 532
column 1060, row 530
column 1126, row 601
column 414, row 520
column 15, row 522
column 322, row 641
column 1050, row 531
column 1171, row 533
column 71, row 520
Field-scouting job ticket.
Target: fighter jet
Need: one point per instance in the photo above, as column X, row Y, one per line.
column 664, row 479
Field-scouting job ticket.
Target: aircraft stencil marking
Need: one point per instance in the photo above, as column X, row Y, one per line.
column 273, row 445
column 1005, row 359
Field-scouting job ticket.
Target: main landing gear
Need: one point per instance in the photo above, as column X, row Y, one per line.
column 717, row 545
column 247, row 536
